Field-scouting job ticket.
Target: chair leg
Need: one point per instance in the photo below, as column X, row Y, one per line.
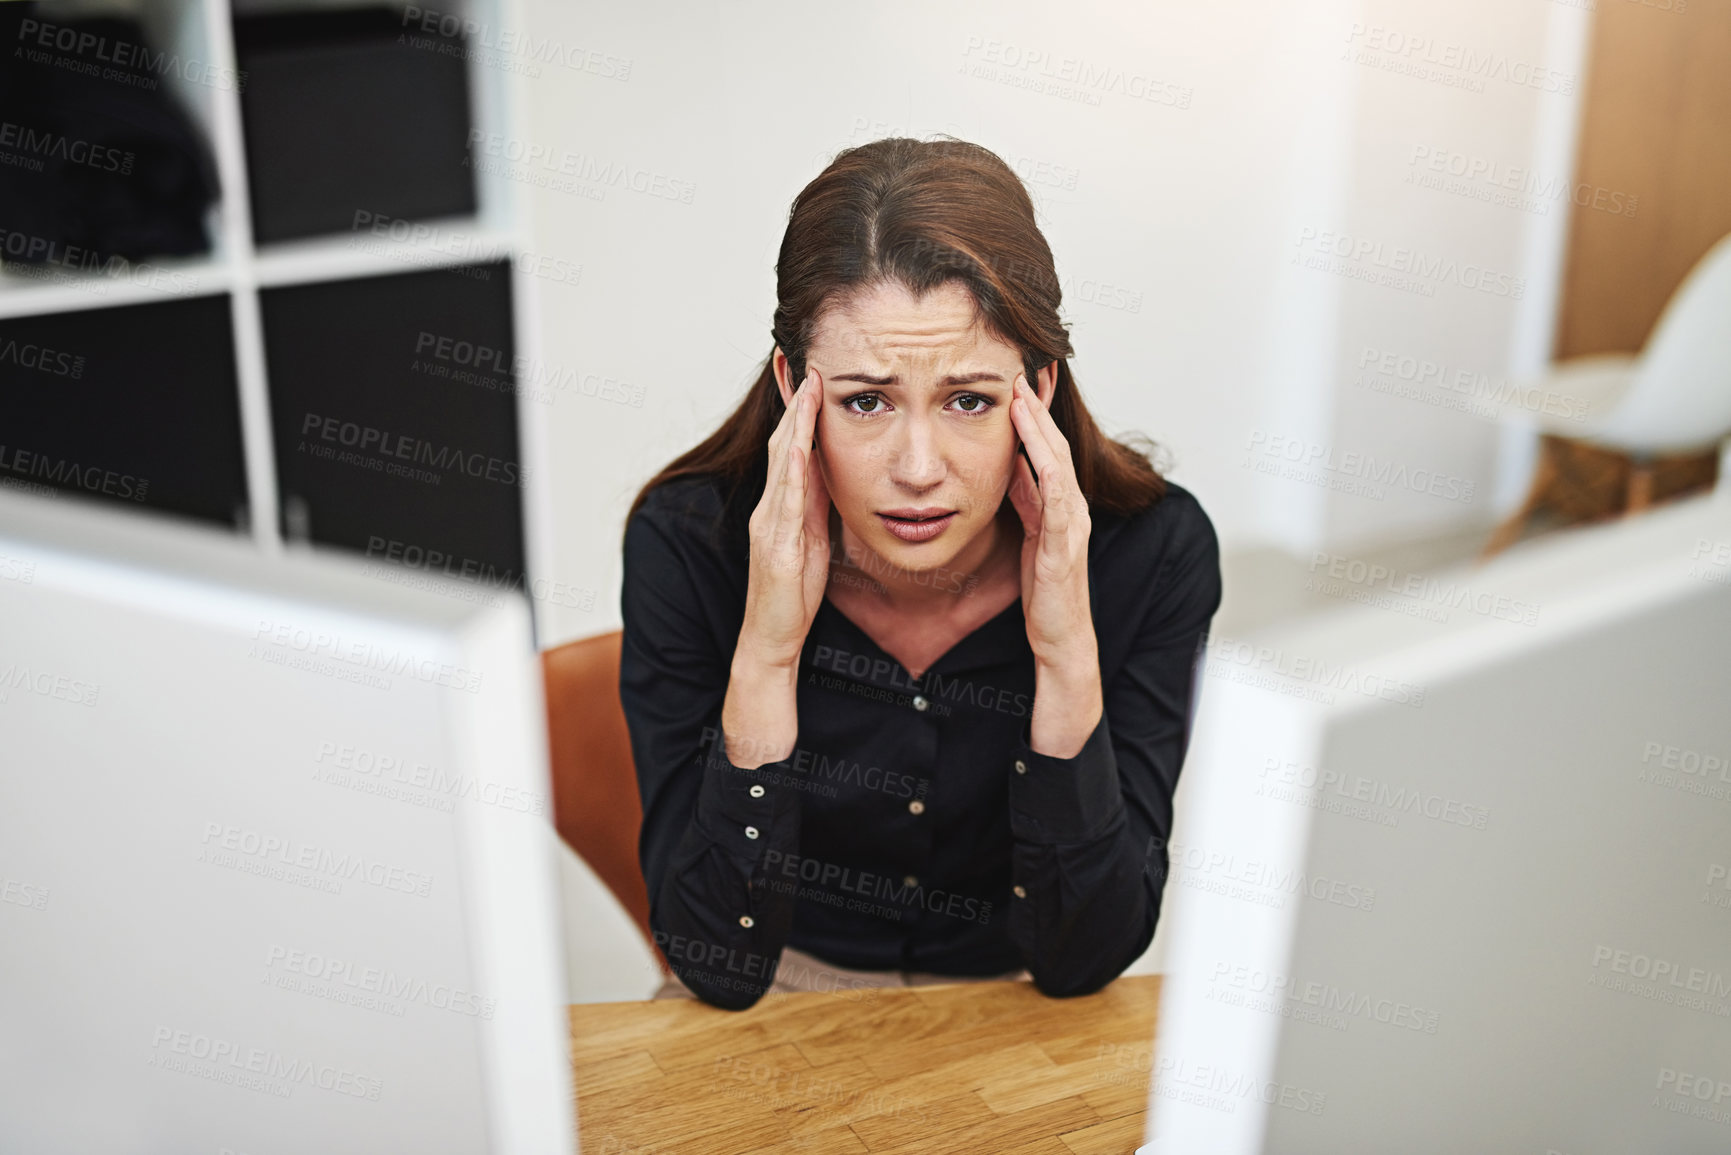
column 1509, row 530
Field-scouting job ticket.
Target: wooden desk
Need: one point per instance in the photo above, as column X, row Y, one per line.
column 990, row 1068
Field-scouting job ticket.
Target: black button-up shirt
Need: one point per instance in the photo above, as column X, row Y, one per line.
column 913, row 827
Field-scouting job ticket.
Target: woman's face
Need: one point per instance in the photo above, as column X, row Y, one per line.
column 915, row 422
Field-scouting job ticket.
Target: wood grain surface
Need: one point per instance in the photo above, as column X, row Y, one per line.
column 1655, row 126
column 985, row 1068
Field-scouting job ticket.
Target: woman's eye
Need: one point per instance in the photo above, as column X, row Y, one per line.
column 869, row 404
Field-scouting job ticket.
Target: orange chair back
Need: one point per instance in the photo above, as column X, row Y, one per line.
column 596, row 807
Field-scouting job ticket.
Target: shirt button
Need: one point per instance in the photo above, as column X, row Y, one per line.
column 1018, row 892
column 757, row 792
column 751, row 832
column 745, row 921
column 1021, row 766
column 920, row 702
column 916, row 807
column 910, row 880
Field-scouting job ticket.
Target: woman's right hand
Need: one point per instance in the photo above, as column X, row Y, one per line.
column 789, row 571
column 789, row 536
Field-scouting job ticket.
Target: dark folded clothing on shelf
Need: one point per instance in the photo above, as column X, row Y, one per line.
column 98, row 158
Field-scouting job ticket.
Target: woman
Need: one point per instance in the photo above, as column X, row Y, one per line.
column 910, row 645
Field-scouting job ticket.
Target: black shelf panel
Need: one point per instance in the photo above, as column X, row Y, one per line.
column 344, row 115
column 394, row 406
column 136, row 404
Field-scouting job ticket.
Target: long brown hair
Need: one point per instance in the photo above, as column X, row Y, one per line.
column 920, row 213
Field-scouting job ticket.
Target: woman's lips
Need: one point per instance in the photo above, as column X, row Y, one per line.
column 917, row 531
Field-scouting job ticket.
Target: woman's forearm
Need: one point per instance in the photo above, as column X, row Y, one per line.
column 722, row 929
column 760, row 715
column 1068, row 704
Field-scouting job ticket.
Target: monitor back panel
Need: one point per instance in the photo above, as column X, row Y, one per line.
column 256, row 849
column 1465, row 888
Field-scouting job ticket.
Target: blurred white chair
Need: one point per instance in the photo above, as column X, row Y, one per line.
column 1672, row 398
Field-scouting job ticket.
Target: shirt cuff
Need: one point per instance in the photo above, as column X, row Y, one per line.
column 746, row 811
column 1065, row 800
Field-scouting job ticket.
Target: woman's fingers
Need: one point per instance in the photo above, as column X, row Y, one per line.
column 779, row 436
column 1048, row 425
column 1033, row 436
column 781, row 460
column 817, row 493
column 1045, row 442
column 799, row 452
column 776, row 476
column 1024, row 496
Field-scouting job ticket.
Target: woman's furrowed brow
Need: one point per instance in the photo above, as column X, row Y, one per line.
column 952, row 379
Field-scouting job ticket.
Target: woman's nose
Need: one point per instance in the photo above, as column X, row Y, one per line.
column 917, row 462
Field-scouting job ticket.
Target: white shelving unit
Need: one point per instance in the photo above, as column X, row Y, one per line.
column 202, row 30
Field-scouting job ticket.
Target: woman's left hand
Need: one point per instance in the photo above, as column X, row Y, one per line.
column 1055, row 602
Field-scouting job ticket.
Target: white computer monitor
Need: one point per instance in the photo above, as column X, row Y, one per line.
column 1461, row 884
column 274, row 852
